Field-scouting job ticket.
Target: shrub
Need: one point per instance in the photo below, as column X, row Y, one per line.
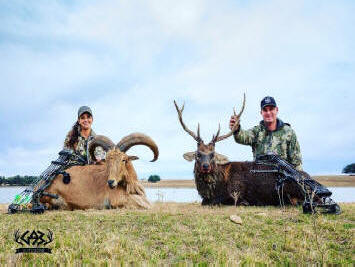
column 349, row 168
column 154, row 178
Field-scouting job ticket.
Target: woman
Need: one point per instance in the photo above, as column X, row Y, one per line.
column 78, row 137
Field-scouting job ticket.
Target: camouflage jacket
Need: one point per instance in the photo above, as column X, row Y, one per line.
column 81, row 147
column 282, row 141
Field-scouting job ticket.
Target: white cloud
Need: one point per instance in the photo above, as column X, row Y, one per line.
column 129, row 60
column 20, row 160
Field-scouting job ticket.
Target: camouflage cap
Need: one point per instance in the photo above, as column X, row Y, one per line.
column 268, row 101
column 84, row 109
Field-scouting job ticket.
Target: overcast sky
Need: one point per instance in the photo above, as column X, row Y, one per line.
column 128, row 61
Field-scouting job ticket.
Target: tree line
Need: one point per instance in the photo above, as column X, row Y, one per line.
column 18, row 180
column 28, row 180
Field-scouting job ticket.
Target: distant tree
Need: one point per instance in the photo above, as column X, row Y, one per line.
column 349, row 168
column 28, row 180
column 154, row 178
column 18, row 180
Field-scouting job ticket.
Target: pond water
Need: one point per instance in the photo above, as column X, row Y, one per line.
column 340, row 194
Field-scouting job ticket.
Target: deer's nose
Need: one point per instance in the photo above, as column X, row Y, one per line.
column 205, row 165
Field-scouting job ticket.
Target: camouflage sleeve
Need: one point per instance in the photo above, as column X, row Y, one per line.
column 245, row 137
column 66, row 140
column 294, row 153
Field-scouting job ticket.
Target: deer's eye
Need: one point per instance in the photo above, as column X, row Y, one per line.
column 212, row 155
column 198, row 155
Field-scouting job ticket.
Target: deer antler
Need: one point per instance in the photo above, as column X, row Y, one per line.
column 179, row 111
column 218, row 138
column 214, row 137
column 241, row 111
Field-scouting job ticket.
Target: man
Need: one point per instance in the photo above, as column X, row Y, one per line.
column 272, row 135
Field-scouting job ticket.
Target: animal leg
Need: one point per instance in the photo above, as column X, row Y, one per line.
column 59, row 203
column 205, row 202
column 244, row 203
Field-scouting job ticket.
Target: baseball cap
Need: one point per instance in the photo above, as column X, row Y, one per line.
column 84, row 109
column 268, row 101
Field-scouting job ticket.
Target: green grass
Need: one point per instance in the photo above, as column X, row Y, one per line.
column 178, row 233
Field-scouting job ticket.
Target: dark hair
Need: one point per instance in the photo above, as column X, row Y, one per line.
column 73, row 135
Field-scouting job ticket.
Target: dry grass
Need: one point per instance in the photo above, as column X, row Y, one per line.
column 327, row 180
column 171, row 183
column 172, row 233
column 336, row 180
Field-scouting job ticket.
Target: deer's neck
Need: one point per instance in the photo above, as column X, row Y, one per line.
column 215, row 175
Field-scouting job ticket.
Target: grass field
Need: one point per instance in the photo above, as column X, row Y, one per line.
column 185, row 233
column 327, row 180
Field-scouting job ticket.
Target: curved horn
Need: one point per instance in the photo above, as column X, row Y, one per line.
column 138, row 139
column 100, row 140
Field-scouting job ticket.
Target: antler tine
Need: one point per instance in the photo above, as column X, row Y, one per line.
column 183, row 106
column 242, row 109
column 179, row 111
column 198, row 131
column 214, row 137
column 236, row 125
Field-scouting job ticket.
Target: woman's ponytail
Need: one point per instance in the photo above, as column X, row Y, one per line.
column 73, row 136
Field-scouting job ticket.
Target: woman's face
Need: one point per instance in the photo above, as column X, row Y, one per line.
column 85, row 121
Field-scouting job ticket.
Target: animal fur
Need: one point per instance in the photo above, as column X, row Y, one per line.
column 88, row 189
column 226, row 181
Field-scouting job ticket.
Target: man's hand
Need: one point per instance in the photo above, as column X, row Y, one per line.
column 232, row 122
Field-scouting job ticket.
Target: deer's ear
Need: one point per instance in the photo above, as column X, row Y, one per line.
column 220, row 159
column 189, row 156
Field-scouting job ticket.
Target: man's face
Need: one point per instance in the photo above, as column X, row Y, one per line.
column 269, row 114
